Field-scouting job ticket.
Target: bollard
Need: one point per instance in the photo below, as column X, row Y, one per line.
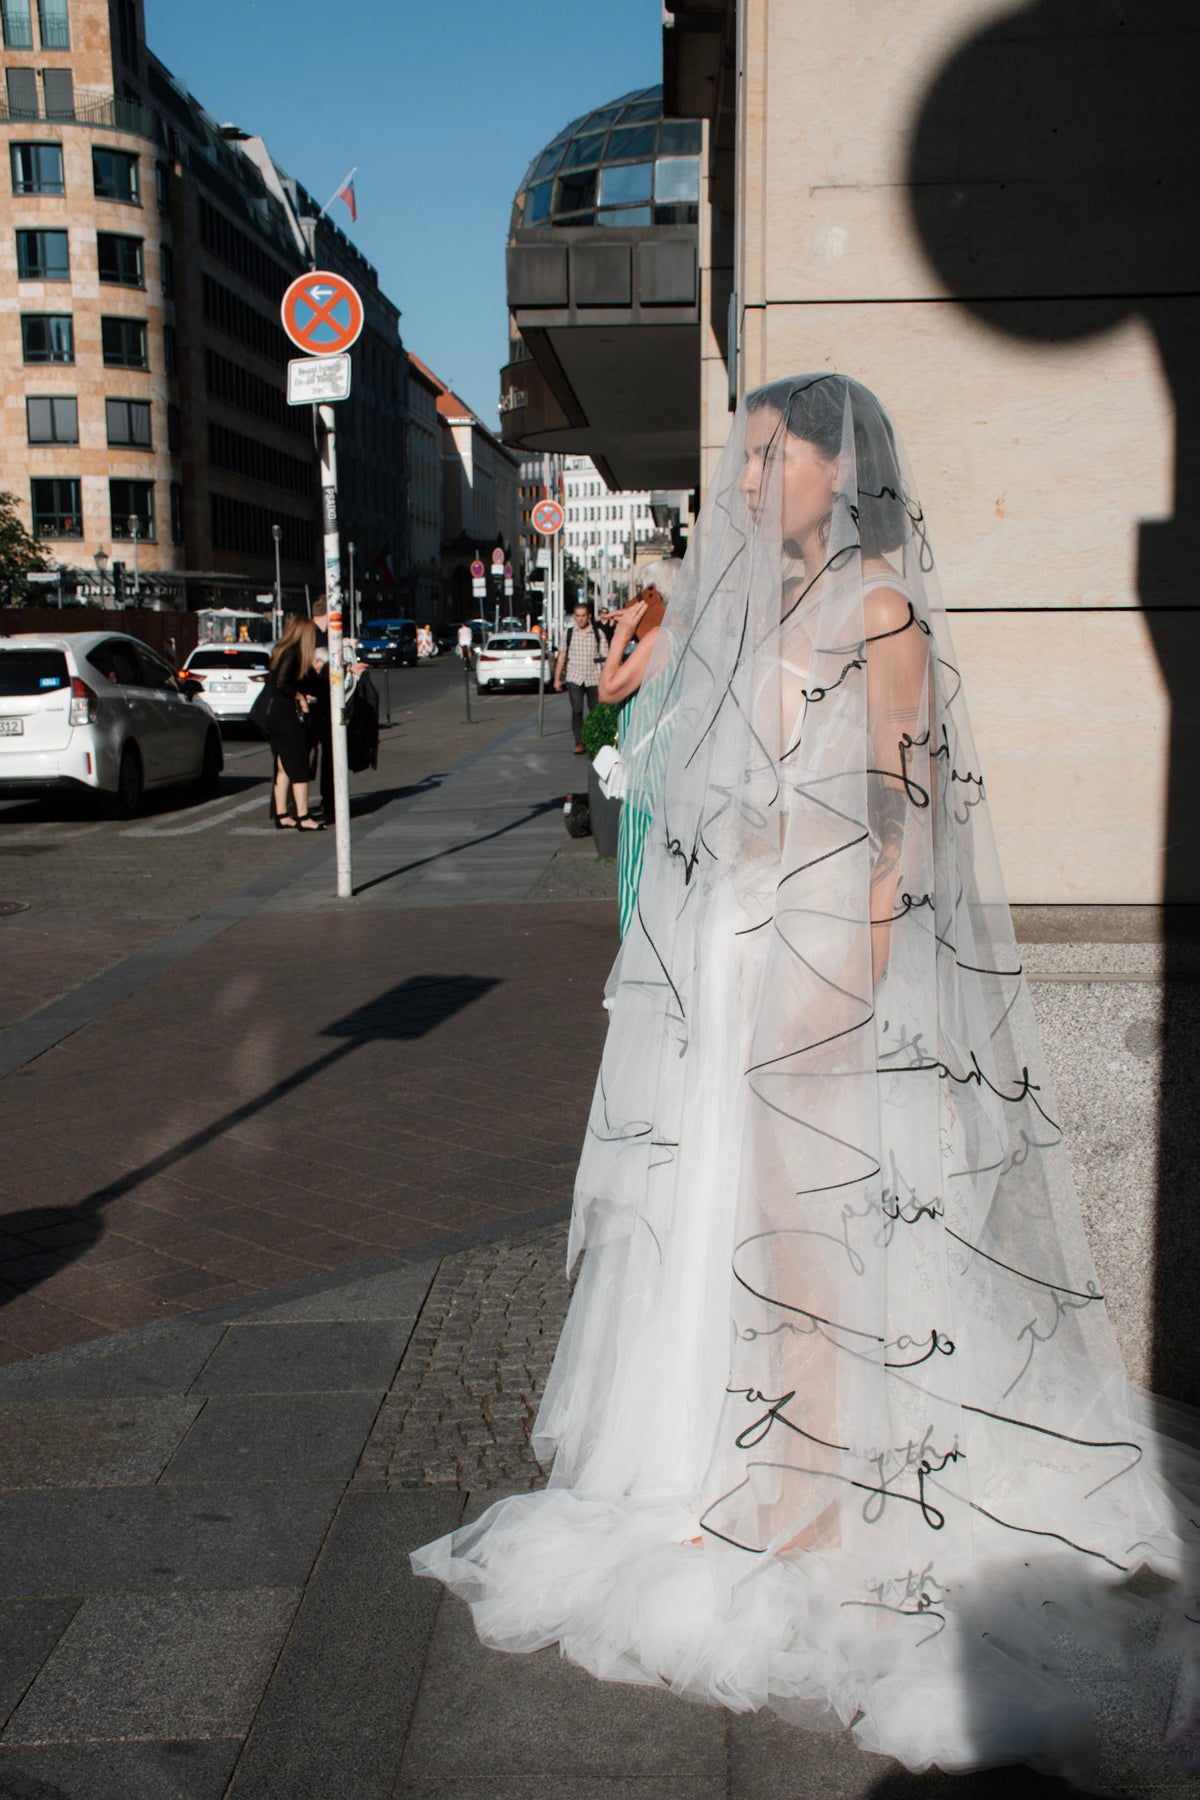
column 387, row 696
column 467, row 685
column 542, row 689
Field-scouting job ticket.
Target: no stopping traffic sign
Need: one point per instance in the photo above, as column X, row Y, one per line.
column 547, row 517
column 322, row 313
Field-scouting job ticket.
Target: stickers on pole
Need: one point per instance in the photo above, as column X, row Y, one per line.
column 311, row 382
column 322, row 313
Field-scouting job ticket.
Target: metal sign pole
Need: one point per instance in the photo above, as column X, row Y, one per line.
column 333, row 594
column 542, row 683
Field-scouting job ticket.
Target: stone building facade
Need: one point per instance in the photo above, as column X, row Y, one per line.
column 143, row 256
column 423, row 461
column 90, row 428
column 977, row 211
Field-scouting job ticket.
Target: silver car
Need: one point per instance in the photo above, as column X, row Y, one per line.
column 100, row 710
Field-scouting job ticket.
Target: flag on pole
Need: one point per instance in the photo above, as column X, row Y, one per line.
column 387, row 565
column 346, row 193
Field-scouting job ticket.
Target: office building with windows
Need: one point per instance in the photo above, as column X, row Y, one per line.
column 147, row 251
column 90, row 438
column 607, row 530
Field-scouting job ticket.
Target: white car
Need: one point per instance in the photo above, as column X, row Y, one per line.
column 100, row 710
column 511, row 660
column 232, row 676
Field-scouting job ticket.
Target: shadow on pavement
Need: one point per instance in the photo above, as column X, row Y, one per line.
column 486, row 837
column 36, row 1244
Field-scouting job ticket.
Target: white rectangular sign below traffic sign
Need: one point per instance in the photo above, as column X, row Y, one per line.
column 313, row 380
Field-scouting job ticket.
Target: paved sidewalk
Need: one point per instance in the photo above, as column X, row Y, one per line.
column 286, row 1203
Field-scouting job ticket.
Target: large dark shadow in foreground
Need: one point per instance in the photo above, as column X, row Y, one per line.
column 42, row 1240
column 1053, row 180
column 1054, row 184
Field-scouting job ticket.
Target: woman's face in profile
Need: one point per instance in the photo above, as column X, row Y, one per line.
column 807, row 480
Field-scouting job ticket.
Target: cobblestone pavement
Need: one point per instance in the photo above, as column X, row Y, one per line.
column 461, row 1409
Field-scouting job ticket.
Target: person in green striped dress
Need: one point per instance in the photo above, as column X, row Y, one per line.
column 621, row 685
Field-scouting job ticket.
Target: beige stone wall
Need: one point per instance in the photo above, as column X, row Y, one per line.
column 1038, row 457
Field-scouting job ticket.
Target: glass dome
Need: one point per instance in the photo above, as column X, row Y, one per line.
column 623, row 164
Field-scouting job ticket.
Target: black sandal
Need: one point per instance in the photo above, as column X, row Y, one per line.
column 306, row 822
column 284, row 822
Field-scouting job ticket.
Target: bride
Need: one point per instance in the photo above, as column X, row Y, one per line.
column 838, row 1421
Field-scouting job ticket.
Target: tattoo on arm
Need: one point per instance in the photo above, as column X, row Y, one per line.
column 887, row 809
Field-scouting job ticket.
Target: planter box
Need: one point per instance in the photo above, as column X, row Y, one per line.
column 606, row 815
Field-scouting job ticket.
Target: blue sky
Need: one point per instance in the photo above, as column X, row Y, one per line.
column 442, row 105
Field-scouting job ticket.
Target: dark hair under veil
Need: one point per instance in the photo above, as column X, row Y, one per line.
column 816, row 411
column 838, row 1320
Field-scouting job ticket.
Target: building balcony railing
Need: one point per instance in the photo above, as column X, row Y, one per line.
column 18, row 28
column 106, row 112
column 56, row 34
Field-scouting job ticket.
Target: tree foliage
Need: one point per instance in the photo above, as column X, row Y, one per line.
column 19, row 553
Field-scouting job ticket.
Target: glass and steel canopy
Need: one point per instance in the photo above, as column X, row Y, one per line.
column 622, row 165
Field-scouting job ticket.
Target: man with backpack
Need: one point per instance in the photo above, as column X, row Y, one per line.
column 578, row 666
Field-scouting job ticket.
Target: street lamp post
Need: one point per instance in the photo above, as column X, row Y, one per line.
column 353, row 595
column 135, row 526
column 277, row 609
column 101, row 561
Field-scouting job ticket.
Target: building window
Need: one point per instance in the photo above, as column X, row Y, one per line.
column 52, row 419
column 131, row 499
column 123, row 342
column 160, row 185
column 47, row 338
column 37, row 169
column 21, row 86
column 54, row 25
column 119, row 259
column 18, row 28
column 58, row 87
column 166, row 265
column 170, row 350
column 57, row 512
column 128, row 423
column 43, row 256
column 238, row 526
column 115, row 176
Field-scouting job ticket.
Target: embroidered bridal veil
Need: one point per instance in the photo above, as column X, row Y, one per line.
column 838, row 1421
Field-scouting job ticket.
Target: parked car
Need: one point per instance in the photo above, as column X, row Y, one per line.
column 102, row 711
column 231, row 675
column 512, row 659
column 389, row 641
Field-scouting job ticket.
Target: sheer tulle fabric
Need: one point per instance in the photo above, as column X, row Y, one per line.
column 837, row 1318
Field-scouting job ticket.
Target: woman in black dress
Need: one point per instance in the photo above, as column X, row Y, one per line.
column 295, row 695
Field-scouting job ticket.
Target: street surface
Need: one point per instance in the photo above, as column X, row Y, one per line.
column 282, row 1233
column 289, row 1083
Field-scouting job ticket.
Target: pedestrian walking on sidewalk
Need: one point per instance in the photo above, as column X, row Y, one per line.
column 578, row 667
column 295, row 687
column 838, row 1418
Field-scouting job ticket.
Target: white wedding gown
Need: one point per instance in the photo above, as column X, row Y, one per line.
column 838, row 1421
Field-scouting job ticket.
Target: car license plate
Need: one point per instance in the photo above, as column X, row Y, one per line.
column 12, row 728
column 233, row 687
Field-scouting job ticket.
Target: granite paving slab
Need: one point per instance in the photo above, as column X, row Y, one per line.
column 256, row 1438
column 93, row 1443
column 122, row 1540
column 128, row 1771
column 29, row 1630
column 333, row 1721
column 487, row 1716
column 303, row 1357
column 157, row 1666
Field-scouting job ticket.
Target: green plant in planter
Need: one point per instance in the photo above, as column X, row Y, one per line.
column 599, row 728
